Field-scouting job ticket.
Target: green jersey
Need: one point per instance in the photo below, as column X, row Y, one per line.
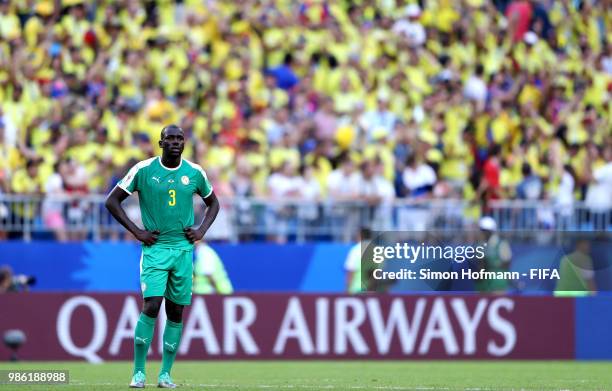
column 575, row 272
column 166, row 197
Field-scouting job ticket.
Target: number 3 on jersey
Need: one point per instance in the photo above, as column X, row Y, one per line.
column 172, row 194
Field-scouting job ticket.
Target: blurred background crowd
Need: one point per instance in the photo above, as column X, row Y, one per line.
column 366, row 100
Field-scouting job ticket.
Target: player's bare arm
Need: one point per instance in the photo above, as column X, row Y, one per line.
column 212, row 209
column 113, row 204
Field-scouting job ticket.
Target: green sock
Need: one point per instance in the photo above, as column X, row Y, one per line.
column 142, row 341
column 172, row 338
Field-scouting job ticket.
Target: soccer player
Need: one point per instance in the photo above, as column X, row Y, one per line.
column 165, row 186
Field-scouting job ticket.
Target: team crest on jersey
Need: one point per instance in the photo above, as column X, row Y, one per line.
column 185, row 180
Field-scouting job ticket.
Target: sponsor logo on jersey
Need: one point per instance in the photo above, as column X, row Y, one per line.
column 156, row 178
column 185, row 180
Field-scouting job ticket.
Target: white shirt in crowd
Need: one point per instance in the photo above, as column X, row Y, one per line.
column 377, row 186
column 565, row 192
column 413, row 32
column 310, row 191
column 599, row 195
column 375, row 121
column 281, row 185
column 10, row 128
column 341, row 185
column 421, row 176
column 606, row 64
column 309, row 188
column 54, row 189
column 475, row 89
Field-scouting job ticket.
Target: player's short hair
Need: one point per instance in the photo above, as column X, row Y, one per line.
column 168, row 127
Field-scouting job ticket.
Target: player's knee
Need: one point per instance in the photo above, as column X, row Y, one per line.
column 174, row 311
column 151, row 306
column 175, row 316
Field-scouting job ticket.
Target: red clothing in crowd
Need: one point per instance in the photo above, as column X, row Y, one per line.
column 519, row 15
column 491, row 173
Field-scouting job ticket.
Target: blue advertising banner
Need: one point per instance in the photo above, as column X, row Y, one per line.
column 312, row 267
column 114, row 267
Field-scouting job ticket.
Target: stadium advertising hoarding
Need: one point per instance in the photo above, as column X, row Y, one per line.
column 100, row 327
column 538, row 263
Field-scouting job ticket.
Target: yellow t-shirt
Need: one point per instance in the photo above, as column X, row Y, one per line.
column 22, row 183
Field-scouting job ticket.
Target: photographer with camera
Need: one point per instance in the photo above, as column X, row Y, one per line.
column 14, row 283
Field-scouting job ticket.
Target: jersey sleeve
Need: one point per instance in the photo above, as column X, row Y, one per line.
column 204, row 187
column 129, row 183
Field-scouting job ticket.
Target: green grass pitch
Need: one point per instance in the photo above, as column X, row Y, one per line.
column 339, row 375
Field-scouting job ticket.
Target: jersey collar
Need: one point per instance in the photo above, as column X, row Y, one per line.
column 168, row 168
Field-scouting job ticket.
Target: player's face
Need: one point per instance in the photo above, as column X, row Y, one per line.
column 172, row 142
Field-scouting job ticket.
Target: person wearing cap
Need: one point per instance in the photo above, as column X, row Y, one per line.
column 498, row 255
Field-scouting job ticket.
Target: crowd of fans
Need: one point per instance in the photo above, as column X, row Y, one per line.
column 370, row 100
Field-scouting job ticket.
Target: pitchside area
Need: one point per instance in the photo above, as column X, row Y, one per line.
column 335, row 375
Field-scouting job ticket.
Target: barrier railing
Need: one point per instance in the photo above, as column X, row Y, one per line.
column 70, row 217
column 530, row 215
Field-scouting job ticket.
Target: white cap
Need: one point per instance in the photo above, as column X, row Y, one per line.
column 530, row 38
column 412, row 10
column 487, row 223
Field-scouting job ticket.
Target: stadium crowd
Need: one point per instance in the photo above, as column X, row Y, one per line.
column 371, row 100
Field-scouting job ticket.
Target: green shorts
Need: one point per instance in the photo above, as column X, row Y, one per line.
column 167, row 272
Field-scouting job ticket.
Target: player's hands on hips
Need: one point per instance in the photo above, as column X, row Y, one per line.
column 193, row 234
column 147, row 237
